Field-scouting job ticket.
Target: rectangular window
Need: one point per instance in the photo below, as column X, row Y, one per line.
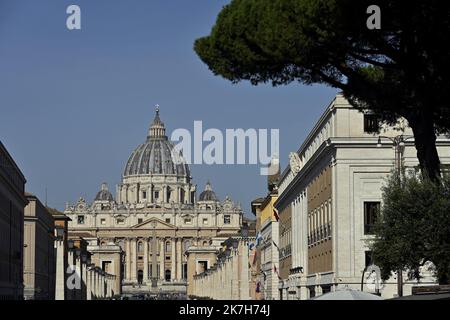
column 102, row 221
column 80, row 219
column 140, row 220
column 167, row 220
column 202, row 266
column 106, row 266
column 205, row 221
column 371, row 123
column 144, row 195
column 168, row 258
column 187, row 221
column 226, row 219
column 120, row 221
column 156, row 194
column 371, row 212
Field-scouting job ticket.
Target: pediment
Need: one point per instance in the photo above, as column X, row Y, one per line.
column 151, row 223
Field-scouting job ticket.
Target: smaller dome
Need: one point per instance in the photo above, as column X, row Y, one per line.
column 208, row 194
column 104, row 194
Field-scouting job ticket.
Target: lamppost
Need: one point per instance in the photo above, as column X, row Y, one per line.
column 399, row 147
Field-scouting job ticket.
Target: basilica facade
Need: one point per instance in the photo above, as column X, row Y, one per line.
column 155, row 217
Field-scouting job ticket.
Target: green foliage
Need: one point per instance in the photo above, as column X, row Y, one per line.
column 401, row 70
column 414, row 226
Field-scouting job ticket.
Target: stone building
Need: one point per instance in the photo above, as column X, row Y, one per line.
column 61, row 253
column 39, row 252
column 285, row 253
column 155, row 216
column 333, row 190
column 12, row 204
column 231, row 276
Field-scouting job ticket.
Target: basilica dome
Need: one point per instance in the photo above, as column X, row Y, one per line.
column 156, row 155
column 104, row 194
column 208, row 194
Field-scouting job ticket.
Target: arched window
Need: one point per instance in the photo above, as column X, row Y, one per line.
column 168, row 246
column 205, row 243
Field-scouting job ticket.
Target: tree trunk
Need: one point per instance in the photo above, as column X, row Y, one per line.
column 422, row 126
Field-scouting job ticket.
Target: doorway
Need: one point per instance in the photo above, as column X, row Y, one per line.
column 140, row 276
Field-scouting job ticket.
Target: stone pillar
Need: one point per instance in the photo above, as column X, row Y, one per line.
column 133, row 260
column 174, row 260
column 235, row 277
column 128, row 259
column 79, row 273
column 165, row 194
column 88, row 285
column 154, row 256
column 161, row 258
column 97, row 284
column 145, row 278
column 179, row 259
column 244, row 277
column 60, row 283
column 93, row 284
column 84, row 282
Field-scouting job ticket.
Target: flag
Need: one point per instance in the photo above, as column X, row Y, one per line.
column 275, row 213
column 258, row 238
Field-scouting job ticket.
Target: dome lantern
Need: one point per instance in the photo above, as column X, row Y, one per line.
column 157, row 129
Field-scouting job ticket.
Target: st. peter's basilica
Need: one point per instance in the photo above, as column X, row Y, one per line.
column 155, row 217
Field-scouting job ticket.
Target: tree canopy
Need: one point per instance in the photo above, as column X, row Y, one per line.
column 413, row 227
column 400, row 70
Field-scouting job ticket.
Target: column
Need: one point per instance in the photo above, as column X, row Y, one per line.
column 235, row 277
column 84, row 282
column 79, row 273
column 179, row 259
column 133, row 260
column 145, row 278
column 93, row 284
column 89, row 285
column 60, row 272
column 150, row 193
column 128, row 259
column 165, row 194
column 161, row 259
column 244, row 279
column 294, row 233
column 154, row 258
column 174, row 259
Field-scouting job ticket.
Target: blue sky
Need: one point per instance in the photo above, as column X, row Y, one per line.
column 74, row 104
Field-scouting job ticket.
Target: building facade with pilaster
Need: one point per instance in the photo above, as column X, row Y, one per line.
column 39, row 251
column 333, row 188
